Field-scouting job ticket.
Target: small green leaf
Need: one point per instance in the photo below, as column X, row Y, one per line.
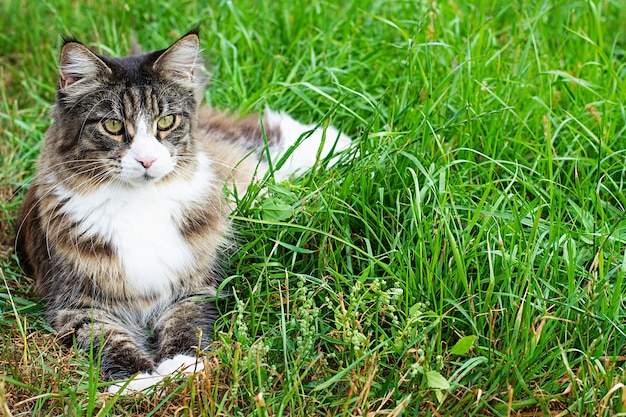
column 463, row 345
column 415, row 308
column 435, row 380
column 439, row 395
column 274, row 208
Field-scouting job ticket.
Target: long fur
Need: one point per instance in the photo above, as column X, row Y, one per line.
column 123, row 225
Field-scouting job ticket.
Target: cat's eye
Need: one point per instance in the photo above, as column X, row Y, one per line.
column 166, row 122
column 113, row 127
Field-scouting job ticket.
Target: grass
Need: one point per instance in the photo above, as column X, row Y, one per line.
column 465, row 258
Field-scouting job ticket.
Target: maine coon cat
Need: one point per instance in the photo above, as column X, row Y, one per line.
column 125, row 220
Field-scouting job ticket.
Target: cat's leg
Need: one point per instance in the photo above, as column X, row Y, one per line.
column 180, row 332
column 123, row 355
column 314, row 143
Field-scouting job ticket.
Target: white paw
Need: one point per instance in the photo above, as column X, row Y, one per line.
column 138, row 383
column 182, row 363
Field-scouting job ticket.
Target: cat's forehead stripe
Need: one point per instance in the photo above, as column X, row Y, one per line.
column 141, row 99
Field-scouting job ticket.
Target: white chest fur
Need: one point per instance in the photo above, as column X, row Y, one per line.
column 140, row 224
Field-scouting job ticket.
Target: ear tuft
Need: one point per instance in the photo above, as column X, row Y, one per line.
column 78, row 63
column 182, row 62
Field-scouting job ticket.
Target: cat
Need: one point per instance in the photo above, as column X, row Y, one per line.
column 125, row 220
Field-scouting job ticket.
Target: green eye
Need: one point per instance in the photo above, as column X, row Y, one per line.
column 166, row 122
column 113, row 126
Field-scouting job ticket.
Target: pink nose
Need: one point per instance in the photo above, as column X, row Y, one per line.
column 146, row 161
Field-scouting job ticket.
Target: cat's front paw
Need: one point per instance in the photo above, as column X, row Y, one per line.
column 139, row 383
column 181, row 363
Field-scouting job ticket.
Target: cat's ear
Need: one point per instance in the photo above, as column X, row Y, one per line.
column 182, row 62
column 78, row 63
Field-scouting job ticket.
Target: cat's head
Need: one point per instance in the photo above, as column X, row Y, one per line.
column 129, row 119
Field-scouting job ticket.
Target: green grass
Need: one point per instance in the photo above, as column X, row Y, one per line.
column 484, row 196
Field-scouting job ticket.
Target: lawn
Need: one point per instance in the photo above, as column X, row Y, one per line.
column 465, row 257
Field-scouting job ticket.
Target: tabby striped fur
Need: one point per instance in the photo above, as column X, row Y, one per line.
column 125, row 219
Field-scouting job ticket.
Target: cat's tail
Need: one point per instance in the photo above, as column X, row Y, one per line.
column 296, row 147
column 247, row 148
